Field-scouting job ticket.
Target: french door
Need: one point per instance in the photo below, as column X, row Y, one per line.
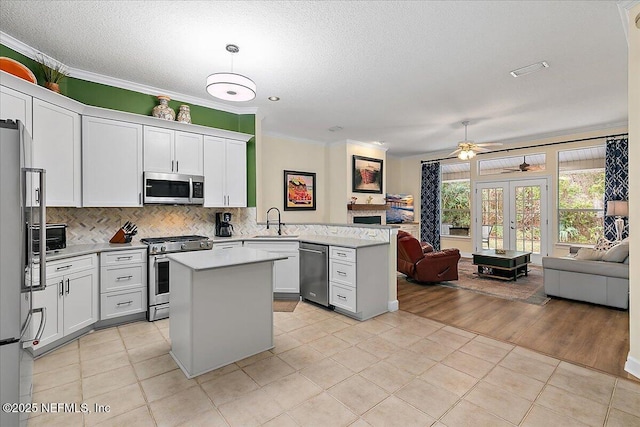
column 513, row 215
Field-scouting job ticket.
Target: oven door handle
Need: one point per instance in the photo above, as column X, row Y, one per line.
column 160, row 258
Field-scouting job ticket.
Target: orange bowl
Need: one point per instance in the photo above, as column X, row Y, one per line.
column 12, row 66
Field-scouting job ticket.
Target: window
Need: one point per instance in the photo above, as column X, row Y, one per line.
column 581, row 195
column 455, row 203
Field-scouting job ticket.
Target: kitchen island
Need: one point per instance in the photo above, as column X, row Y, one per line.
column 221, row 307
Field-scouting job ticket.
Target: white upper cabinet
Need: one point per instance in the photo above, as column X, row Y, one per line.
column 16, row 105
column 225, row 172
column 56, row 148
column 112, row 163
column 171, row 151
column 188, row 153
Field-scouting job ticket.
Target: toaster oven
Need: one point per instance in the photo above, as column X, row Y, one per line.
column 56, row 235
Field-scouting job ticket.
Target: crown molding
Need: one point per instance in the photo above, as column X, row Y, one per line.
column 624, row 8
column 26, row 50
column 367, row 144
column 292, row 138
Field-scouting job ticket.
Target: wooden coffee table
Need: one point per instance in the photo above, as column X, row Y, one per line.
column 507, row 266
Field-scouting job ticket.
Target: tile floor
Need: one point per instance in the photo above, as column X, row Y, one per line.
column 329, row 370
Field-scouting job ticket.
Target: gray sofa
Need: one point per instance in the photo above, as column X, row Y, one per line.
column 598, row 282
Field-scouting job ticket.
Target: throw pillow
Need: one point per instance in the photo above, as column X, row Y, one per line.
column 603, row 244
column 617, row 253
column 589, row 254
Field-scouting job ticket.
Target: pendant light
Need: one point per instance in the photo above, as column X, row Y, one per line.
column 231, row 86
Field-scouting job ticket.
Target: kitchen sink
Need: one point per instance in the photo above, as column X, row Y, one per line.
column 276, row 236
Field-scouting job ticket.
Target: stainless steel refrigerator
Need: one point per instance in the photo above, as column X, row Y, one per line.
column 22, row 203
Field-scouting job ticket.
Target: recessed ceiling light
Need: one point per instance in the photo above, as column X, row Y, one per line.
column 335, row 129
column 274, row 98
column 529, row 69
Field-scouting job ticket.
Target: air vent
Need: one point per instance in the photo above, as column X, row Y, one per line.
column 529, row 69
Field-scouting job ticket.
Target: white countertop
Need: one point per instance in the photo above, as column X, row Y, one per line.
column 90, row 248
column 206, row 260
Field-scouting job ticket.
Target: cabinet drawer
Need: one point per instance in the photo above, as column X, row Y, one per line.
column 118, row 278
column 71, row 265
column 342, row 297
column 228, row 245
column 122, row 257
column 345, row 254
column 342, row 272
column 276, row 247
column 117, row 304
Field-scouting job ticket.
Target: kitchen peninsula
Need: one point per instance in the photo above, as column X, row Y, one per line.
column 221, row 307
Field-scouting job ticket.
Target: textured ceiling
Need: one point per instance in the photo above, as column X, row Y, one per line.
column 406, row 73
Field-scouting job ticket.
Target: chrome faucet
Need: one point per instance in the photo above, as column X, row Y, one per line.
column 279, row 223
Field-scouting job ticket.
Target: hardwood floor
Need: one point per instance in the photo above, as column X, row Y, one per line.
column 586, row 334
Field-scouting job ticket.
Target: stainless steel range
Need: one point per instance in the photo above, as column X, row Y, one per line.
column 158, row 263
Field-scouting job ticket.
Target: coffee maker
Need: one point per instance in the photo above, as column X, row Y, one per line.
column 223, row 225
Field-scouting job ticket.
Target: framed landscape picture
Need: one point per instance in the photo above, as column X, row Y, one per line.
column 299, row 191
column 367, row 175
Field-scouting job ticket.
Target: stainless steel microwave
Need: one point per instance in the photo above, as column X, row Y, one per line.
column 173, row 189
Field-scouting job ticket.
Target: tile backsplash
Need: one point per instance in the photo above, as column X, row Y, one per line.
column 98, row 225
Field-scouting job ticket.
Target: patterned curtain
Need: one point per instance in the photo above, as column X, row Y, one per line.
column 430, row 204
column 616, row 181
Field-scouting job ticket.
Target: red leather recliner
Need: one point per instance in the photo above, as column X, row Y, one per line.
column 423, row 264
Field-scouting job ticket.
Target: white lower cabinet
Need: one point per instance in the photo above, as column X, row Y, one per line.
column 123, row 283
column 70, row 297
column 286, row 272
column 358, row 280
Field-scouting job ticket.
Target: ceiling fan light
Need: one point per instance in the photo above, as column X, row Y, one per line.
column 463, row 155
column 231, row 87
column 472, row 154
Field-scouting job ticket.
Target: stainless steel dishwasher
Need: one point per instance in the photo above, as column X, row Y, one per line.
column 314, row 273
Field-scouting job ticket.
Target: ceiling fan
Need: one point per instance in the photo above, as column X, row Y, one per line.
column 524, row 167
column 468, row 149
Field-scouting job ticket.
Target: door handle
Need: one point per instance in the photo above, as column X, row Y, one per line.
column 61, row 287
column 171, row 165
column 124, row 277
column 177, row 165
column 67, row 287
column 310, row 250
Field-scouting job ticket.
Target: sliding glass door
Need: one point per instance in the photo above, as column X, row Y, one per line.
column 513, row 215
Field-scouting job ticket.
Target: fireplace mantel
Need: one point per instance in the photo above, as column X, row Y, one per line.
column 366, row 207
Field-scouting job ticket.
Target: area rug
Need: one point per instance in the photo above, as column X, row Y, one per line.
column 529, row 289
column 287, row 305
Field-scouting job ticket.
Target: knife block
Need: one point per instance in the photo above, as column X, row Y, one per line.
column 121, row 237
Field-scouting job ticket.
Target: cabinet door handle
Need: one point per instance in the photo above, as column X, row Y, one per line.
column 341, row 297
column 124, row 257
column 342, row 273
column 125, row 303
column 37, row 195
column 177, row 165
column 67, row 287
column 64, row 267
column 124, row 277
column 341, row 254
column 61, row 287
column 171, row 165
column 139, row 198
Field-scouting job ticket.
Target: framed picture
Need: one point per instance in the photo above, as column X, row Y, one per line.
column 299, row 191
column 367, row 175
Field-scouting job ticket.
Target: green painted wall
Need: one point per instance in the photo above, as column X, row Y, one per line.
column 100, row 95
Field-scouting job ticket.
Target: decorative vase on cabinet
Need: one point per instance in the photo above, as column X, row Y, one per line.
column 184, row 115
column 163, row 111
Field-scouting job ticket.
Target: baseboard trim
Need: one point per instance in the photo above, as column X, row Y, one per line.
column 632, row 366
column 393, row 305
